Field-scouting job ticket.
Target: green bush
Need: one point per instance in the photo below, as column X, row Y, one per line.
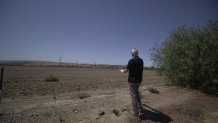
column 51, row 78
column 189, row 57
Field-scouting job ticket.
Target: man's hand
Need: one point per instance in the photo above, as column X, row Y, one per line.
column 123, row 70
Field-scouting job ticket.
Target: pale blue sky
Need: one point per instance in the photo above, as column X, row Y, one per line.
column 101, row 31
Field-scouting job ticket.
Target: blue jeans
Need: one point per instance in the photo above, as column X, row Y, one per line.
column 136, row 100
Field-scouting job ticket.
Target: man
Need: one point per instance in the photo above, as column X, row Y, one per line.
column 135, row 69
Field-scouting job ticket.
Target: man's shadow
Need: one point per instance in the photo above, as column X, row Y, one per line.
column 154, row 115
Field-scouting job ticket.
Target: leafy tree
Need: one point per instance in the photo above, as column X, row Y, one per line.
column 189, row 57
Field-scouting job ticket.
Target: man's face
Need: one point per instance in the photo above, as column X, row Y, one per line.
column 132, row 54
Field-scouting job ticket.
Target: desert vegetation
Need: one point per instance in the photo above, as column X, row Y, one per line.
column 189, row 57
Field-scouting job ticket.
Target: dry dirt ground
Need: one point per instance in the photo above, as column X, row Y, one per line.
column 96, row 95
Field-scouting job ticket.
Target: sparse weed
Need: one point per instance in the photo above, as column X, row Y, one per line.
column 196, row 111
column 46, row 114
column 51, row 78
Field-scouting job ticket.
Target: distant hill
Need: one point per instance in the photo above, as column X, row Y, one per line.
column 50, row 63
column 33, row 63
column 13, row 62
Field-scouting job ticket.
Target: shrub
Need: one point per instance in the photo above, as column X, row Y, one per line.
column 51, row 78
column 189, row 57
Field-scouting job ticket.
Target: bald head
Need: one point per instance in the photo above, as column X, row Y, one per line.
column 134, row 52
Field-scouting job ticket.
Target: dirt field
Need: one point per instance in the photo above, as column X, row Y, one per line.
column 96, row 95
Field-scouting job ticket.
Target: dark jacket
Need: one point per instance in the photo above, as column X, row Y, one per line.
column 135, row 67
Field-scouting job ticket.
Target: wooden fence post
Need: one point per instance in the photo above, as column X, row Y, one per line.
column 1, row 81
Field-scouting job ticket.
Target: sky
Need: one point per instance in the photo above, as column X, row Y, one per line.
column 93, row 31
